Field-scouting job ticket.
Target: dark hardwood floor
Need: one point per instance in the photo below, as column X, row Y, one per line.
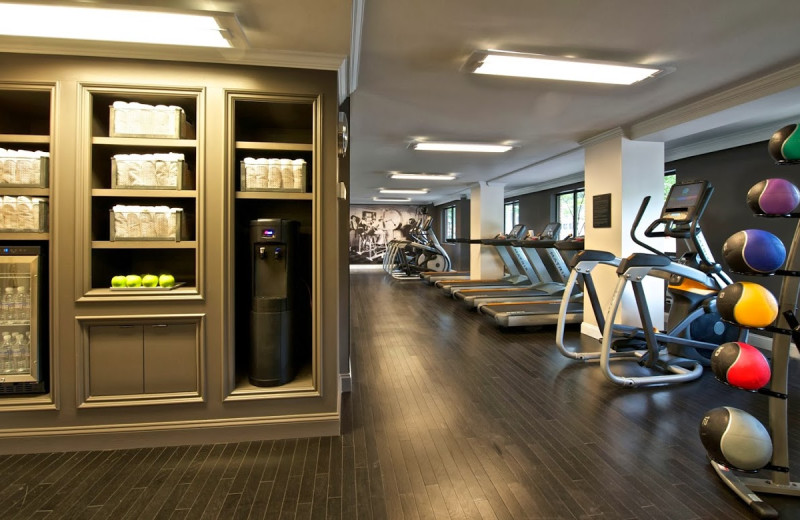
column 449, row 417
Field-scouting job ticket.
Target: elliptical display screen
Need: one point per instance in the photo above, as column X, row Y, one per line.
column 683, row 199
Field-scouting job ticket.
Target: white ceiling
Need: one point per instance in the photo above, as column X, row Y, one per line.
column 736, row 78
column 411, row 83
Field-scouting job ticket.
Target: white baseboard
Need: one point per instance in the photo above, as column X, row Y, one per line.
column 765, row 343
column 366, row 267
column 591, row 330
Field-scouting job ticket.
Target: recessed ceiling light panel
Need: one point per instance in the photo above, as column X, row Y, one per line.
column 505, row 63
column 391, row 199
column 421, row 191
column 423, row 176
column 121, row 24
column 442, row 146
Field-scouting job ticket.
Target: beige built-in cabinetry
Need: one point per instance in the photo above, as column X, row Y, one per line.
column 136, row 368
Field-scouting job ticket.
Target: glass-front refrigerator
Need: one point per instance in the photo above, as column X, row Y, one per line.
column 21, row 363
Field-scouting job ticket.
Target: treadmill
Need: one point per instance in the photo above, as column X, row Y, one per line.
column 431, row 277
column 544, row 284
column 538, row 312
column 514, row 261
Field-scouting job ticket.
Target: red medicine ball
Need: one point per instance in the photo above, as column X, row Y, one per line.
column 740, row 365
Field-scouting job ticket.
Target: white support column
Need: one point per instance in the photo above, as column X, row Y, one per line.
column 486, row 221
column 629, row 171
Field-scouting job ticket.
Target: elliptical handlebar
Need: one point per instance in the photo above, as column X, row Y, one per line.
column 688, row 229
column 638, row 220
column 702, row 247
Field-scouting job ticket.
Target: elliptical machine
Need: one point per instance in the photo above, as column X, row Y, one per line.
column 421, row 252
column 694, row 328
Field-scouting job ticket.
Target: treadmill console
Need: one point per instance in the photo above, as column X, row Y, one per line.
column 517, row 232
column 550, row 231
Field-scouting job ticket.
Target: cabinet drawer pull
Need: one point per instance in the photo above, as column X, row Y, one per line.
column 160, row 325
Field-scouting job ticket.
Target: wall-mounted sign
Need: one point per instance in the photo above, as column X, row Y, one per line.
column 601, row 211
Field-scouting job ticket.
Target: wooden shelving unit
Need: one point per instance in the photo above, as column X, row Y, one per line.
column 283, row 127
column 26, row 123
column 273, row 195
column 151, row 367
column 108, row 257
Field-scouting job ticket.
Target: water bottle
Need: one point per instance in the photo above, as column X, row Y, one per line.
column 25, row 353
column 17, row 355
column 26, row 305
column 22, row 305
column 7, row 305
column 6, row 356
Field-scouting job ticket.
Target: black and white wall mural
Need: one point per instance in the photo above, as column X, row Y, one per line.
column 373, row 226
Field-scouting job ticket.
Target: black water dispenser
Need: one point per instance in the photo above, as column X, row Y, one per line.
column 272, row 330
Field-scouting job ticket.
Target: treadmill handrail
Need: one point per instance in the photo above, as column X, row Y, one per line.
column 498, row 241
column 464, row 240
column 537, row 244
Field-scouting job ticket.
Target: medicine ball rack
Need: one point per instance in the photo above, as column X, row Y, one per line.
column 786, row 329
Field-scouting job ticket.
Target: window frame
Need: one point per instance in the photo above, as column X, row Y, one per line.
column 576, row 211
column 514, row 205
column 449, row 222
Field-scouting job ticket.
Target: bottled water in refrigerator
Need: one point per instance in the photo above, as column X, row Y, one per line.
column 6, row 356
column 7, row 305
column 22, row 305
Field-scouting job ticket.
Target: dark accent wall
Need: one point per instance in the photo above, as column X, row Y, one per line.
column 536, row 210
column 733, row 172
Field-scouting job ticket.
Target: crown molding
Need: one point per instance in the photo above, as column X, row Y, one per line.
column 343, row 77
column 553, row 183
column 614, row 133
column 750, row 91
column 745, row 137
column 355, row 43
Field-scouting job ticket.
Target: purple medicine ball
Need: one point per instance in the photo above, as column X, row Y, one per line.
column 773, row 197
column 754, row 251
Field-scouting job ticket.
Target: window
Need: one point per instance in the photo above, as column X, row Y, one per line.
column 449, row 220
column 670, row 244
column 511, row 216
column 570, row 213
column 669, row 179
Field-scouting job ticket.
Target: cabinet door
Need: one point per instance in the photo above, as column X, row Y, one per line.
column 115, row 360
column 171, row 358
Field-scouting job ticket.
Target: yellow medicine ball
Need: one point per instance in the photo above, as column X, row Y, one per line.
column 748, row 304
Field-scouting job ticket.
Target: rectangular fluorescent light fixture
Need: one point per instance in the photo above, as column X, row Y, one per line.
column 440, row 146
column 504, row 63
column 391, row 199
column 423, row 176
column 122, row 24
column 421, row 191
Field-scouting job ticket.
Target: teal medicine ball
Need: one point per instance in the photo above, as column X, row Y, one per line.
column 784, row 145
